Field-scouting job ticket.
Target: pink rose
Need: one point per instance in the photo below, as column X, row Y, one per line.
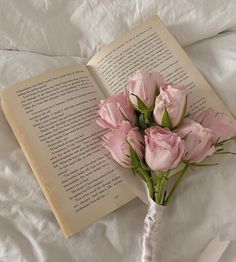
column 221, row 125
column 172, row 99
column 119, row 140
column 163, row 148
column 145, row 86
column 198, row 141
column 114, row 110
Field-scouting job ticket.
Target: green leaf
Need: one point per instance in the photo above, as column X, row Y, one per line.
column 135, row 161
column 225, row 153
column 220, row 143
column 145, row 176
column 160, row 188
column 141, row 106
column 178, row 181
column 144, row 166
column 166, row 122
column 142, row 123
column 202, row 165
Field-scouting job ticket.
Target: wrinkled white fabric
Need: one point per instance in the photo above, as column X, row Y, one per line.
column 73, row 31
column 61, row 27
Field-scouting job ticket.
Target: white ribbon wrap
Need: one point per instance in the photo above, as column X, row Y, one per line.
column 151, row 232
column 152, row 223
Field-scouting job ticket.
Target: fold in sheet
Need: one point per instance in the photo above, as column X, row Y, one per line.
column 203, row 205
column 80, row 28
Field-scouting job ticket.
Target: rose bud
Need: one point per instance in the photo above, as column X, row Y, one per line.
column 198, row 141
column 118, row 142
column 221, row 125
column 114, row 110
column 163, row 148
column 171, row 105
column 144, row 86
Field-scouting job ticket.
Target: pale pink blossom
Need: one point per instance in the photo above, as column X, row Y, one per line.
column 114, row 110
column 118, row 142
column 173, row 99
column 221, row 125
column 145, row 86
column 198, row 141
column 163, row 148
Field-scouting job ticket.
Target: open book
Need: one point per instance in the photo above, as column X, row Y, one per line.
column 53, row 117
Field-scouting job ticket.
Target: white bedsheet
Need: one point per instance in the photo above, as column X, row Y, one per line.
column 46, row 34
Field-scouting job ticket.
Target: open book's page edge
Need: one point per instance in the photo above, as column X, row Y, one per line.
column 5, row 92
column 27, row 152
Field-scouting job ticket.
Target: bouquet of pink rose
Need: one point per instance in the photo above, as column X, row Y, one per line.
column 152, row 133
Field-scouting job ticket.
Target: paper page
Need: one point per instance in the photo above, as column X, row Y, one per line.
column 151, row 47
column 53, row 118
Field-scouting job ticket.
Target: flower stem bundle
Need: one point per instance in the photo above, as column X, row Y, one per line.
column 152, row 132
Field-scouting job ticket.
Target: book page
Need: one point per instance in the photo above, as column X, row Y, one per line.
column 53, row 117
column 151, row 47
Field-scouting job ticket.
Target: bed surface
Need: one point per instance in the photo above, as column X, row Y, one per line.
column 44, row 34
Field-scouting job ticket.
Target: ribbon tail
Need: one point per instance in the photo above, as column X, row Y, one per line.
column 214, row 250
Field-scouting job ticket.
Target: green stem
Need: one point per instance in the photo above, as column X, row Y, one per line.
column 225, row 153
column 157, row 188
column 180, row 178
column 146, row 116
column 144, row 120
column 160, row 188
column 224, row 141
column 155, row 181
column 144, row 174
